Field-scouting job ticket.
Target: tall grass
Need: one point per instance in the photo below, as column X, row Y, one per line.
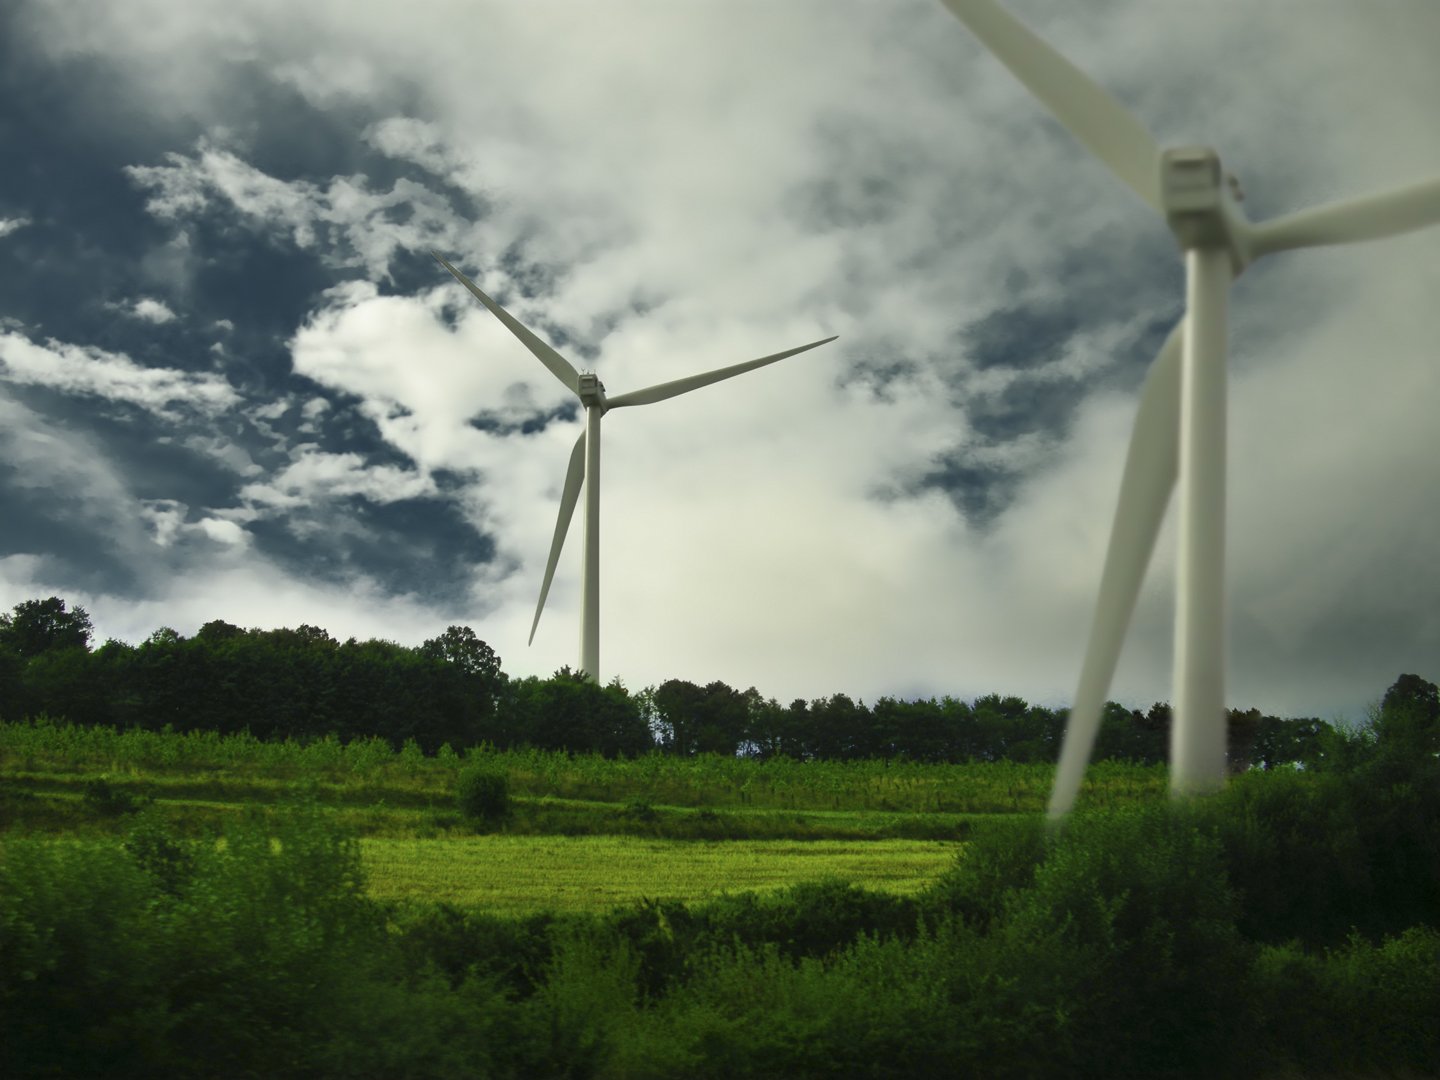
column 43, row 745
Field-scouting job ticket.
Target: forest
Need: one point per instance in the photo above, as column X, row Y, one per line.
column 273, row 893
column 302, row 683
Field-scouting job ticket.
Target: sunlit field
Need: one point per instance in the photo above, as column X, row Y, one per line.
column 522, row 874
column 163, row 895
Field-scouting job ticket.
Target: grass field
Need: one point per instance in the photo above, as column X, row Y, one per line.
column 180, row 905
column 584, row 833
column 519, row 874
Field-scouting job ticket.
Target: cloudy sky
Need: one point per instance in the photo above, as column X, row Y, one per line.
column 234, row 384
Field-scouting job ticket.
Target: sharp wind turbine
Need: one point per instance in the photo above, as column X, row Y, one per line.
column 584, row 467
column 1180, row 427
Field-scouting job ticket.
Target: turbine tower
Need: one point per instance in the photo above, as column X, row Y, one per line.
column 585, row 459
column 1180, row 427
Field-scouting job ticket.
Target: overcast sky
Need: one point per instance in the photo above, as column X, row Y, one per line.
column 234, row 385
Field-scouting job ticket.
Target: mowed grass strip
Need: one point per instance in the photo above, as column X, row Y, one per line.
column 525, row 874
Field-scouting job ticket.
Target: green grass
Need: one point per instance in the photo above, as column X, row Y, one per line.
column 369, row 771
column 584, row 832
column 523, row 874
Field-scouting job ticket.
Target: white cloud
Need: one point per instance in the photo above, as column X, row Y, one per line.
column 316, row 476
column 82, row 369
column 225, row 532
column 707, row 183
column 10, row 225
column 147, row 309
column 349, row 223
column 166, row 517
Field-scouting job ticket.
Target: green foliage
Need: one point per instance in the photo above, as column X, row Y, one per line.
column 169, row 861
column 1000, row 859
column 695, row 720
column 254, row 954
column 1351, row 844
column 301, row 683
column 1146, row 941
column 482, row 793
column 1129, row 927
column 1360, row 1008
column 570, row 713
column 364, row 769
column 1287, row 926
column 35, row 627
column 104, row 799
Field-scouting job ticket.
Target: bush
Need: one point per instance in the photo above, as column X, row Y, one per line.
column 170, row 862
column 1315, row 855
column 1125, row 949
column 1001, row 858
column 105, row 800
column 1364, row 1007
column 483, row 794
column 813, row 919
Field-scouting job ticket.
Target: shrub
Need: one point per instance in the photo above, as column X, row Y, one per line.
column 813, row 919
column 483, row 794
column 104, row 799
column 1001, row 858
column 1126, row 943
column 1365, row 1007
column 1317, row 854
column 170, row 862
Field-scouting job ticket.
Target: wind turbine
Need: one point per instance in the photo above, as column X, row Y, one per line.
column 585, row 459
column 1180, row 427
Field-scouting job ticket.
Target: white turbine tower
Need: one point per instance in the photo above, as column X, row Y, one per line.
column 1180, row 426
column 585, row 459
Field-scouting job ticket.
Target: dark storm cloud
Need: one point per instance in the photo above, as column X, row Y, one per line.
column 87, row 226
column 865, row 170
column 205, row 292
column 497, row 423
column 63, row 525
column 980, row 491
column 1020, row 337
column 419, row 547
column 1025, row 407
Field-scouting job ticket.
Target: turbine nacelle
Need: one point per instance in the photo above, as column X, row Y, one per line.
column 591, row 390
column 1201, row 203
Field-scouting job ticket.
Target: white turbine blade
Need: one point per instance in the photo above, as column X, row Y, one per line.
column 1106, row 127
column 574, row 477
column 1369, row 217
column 661, row 391
column 1151, row 466
column 562, row 368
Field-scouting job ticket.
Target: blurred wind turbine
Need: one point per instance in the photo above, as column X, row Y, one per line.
column 1184, row 392
column 585, row 459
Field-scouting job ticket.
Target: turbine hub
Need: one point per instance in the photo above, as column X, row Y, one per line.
column 592, row 390
column 1202, row 201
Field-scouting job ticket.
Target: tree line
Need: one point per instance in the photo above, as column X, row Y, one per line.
column 302, row 683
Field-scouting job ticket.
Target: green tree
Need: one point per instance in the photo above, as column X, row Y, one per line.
column 467, row 685
column 695, row 720
column 39, row 626
column 841, row 728
column 460, row 646
column 569, row 712
column 217, row 630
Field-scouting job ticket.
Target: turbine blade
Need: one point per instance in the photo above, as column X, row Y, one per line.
column 661, row 391
column 1151, row 466
column 1092, row 115
column 1369, row 217
column 562, row 368
column 574, row 477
